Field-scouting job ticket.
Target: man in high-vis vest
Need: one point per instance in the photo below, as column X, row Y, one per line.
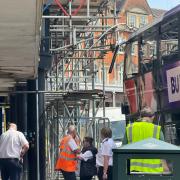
column 141, row 130
column 68, row 150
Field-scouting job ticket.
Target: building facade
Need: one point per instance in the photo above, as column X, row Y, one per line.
column 131, row 16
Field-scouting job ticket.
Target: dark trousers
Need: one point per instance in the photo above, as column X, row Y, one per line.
column 109, row 173
column 86, row 178
column 11, row 169
column 68, row 175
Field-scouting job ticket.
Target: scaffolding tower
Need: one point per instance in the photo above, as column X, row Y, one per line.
column 79, row 35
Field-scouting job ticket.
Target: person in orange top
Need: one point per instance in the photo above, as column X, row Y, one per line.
column 69, row 148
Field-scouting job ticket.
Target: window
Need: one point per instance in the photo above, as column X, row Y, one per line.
column 132, row 21
column 106, row 74
column 143, row 21
column 121, row 48
column 107, row 104
column 133, row 49
column 119, row 75
column 148, row 52
column 97, row 76
column 148, row 48
column 97, row 104
column 169, row 40
column 132, row 60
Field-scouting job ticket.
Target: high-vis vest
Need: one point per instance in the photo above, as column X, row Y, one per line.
column 139, row 131
column 67, row 160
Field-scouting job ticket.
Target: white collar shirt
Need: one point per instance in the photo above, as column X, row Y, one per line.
column 105, row 150
column 11, row 143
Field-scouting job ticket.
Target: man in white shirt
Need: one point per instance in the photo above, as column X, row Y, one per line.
column 13, row 146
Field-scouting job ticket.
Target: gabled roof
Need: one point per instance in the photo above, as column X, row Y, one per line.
column 158, row 12
column 129, row 4
column 141, row 4
column 172, row 12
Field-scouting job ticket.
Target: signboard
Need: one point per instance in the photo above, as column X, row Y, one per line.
column 170, row 98
column 173, row 84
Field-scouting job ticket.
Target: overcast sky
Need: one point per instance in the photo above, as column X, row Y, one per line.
column 163, row 4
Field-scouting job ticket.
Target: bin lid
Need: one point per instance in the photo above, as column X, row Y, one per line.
column 150, row 145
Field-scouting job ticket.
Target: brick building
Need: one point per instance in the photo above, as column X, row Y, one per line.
column 131, row 15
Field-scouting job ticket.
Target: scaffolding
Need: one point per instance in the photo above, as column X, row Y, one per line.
column 79, row 35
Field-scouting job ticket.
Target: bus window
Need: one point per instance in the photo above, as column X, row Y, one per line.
column 131, row 62
column 172, row 128
column 148, row 52
column 169, row 41
column 155, row 82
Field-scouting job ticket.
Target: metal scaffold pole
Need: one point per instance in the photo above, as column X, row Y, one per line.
column 77, row 43
column 37, row 130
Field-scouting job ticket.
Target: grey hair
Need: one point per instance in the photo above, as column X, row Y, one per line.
column 71, row 129
column 147, row 112
column 12, row 126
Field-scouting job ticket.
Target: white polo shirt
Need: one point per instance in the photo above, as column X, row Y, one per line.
column 105, row 150
column 11, row 143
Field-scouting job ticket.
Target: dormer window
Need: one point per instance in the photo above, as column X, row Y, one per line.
column 132, row 20
column 136, row 19
column 143, row 21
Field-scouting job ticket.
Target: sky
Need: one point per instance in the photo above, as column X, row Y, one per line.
column 163, row 4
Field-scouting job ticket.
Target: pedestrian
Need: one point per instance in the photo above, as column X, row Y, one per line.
column 104, row 158
column 88, row 159
column 141, row 130
column 68, row 150
column 13, row 146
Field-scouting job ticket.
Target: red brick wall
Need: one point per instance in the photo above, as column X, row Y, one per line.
column 141, row 4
